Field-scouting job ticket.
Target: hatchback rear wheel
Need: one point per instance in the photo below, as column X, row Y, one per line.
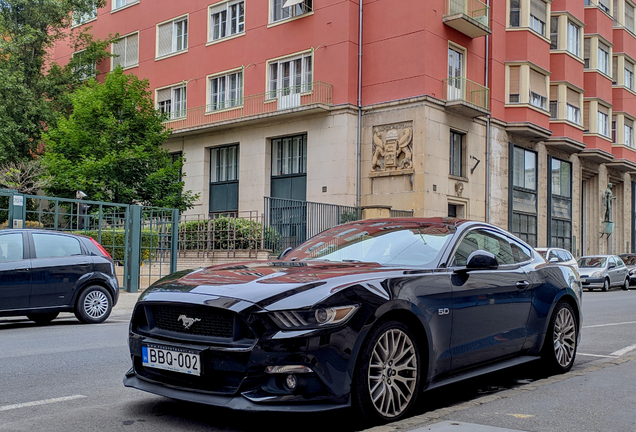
column 93, row 305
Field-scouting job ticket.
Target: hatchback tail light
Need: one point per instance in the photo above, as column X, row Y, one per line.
column 101, row 248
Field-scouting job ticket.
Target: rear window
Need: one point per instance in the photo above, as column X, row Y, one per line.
column 51, row 245
column 11, row 247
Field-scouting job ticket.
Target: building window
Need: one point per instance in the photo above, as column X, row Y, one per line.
column 629, row 132
column 117, row 4
column 561, row 204
column 574, row 39
column 172, row 37
column 288, row 78
column 586, row 53
column 297, row 8
column 603, row 58
column 554, row 102
column 224, row 179
column 629, row 75
column 456, row 154
column 629, row 17
column 524, row 194
column 573, row 107
column 81, row 18
column 455, row 74
column 84, row 69
column 603, row 121
column 514, row 84
column 538, row 92
column 126, row 51
column 289, row 167
column 554, row 32
column 226, row 91
column 227, row 19
column 172, row 101
column 538, row 16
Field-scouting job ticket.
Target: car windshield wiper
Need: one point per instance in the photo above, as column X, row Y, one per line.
column 351, row 260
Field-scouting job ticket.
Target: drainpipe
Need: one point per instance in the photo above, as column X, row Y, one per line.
column 488, row 124
column 359, row 137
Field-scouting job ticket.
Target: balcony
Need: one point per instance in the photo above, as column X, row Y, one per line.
column 315, row 96
column 466, row 97
column 471, row 17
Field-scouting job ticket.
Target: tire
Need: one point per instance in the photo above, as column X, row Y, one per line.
column 42, row 317
column 561, row 339
column 94, row 305
column 606, row 285
column 626, row 285
column 382, row 390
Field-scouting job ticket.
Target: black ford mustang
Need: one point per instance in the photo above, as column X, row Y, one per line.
column 367, row 314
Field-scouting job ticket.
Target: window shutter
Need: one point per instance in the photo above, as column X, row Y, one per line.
column 586, row 52
column 615, row 10
column 118, row 48
column 537, row 83
column 574, row 98
column 586, row 116
column 514, row 79
column 554, row 92
column 603, row 109
column 629, row 16
column 614, row 70
column 218, row 8
column 629, row 123
column 605, row 4
column 539, row 9
column 163, row 95
column 164, row 40
column 132, row 50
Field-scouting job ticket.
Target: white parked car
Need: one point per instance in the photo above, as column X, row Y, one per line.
column 558, row 256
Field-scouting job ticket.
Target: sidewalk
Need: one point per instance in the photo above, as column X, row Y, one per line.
column 126, row 303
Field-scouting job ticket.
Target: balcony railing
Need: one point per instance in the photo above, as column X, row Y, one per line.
column 271, row 102
column 471, row 17
column 462, row 89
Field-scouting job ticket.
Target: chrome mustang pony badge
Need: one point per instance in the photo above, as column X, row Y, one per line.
column 187, row 321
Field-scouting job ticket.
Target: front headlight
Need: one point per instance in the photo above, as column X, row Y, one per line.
column 597, row 274
column 313, row 318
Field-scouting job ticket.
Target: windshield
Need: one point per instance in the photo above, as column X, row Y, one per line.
column 592, row 262
column 629, row 260
column 383, row 243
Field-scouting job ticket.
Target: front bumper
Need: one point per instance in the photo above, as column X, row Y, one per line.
column 592, row 282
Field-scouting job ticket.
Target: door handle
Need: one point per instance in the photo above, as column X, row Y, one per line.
column 83, row 263
column 22, row 269
column 523, row 284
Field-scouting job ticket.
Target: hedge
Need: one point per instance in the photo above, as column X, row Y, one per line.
column 225, row 233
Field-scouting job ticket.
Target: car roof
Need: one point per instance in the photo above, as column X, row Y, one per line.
column 40, row 231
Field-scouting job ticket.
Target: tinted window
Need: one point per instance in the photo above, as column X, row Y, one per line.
column 483, row 240
column 563, row 256
column 629, row 259
column 11, row 247
column 51, row 245
column 520, row 253
column 553, row 254
column 592, row 262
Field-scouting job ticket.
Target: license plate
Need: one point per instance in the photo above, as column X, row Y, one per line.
column 173, row 359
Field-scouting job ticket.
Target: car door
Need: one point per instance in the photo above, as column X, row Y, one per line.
column 15, row 274
column 613, row 271
column 57, row 265
column 490, row 307
column 622, row 270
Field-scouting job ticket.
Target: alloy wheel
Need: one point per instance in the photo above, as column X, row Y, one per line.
column 564, row 337
column 392, row 373
column 96, row 304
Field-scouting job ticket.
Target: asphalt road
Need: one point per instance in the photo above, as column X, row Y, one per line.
column 68, row 376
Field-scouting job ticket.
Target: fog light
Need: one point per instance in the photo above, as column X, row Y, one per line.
column 291, row 382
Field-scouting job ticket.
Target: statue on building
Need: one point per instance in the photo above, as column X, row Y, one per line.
column 608, row 203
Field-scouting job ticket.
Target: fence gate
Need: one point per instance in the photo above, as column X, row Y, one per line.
column 136, row 237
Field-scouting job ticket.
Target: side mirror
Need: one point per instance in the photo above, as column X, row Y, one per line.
column 611, row 266
column 283, row 253
column 481, row 260
column 553, row 260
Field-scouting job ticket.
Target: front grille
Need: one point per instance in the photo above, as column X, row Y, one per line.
column 205, row 321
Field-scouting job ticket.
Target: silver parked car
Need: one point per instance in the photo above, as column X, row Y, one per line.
column 604, row 272
column 558, row 256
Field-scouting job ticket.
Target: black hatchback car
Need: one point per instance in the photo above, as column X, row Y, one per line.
column 43, row 273
column 367, row 314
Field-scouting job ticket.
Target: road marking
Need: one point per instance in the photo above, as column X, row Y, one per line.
column 607, row 325
column 521, row 416
column 595, row 355
column 625, row 350
column 41, row 402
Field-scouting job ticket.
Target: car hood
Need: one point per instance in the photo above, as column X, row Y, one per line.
column 274, row 285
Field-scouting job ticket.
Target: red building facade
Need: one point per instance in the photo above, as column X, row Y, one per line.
column 519, row 112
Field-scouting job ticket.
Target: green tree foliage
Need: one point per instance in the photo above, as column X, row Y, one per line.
column 32, row 87
column 110, row 147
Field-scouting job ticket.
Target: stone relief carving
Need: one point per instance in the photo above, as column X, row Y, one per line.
column 392, row 147
column 459, row 188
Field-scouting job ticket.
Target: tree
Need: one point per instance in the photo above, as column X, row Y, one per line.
column 27, row 177
column 32, row 88
column 111, row 147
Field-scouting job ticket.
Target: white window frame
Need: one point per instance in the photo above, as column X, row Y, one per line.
column 178, row 108
column 628, row 134
column 120, row 4
column 536, row 23
column 628, row 79
column 226, row 8
column 602, row 123
column 290, row 12
column 276, row 81
column 603, row 62
column 574, row 41
column 225, row 99
column 124, row 38
column 572, row 114
column 177, row 24
column 81, row 69
column 84, row 18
